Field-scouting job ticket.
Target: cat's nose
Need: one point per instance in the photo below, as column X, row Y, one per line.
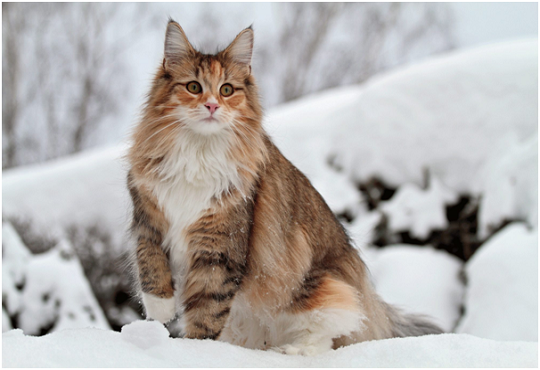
column 212, row 107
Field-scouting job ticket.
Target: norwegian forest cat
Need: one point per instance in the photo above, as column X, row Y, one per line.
column 230, row 235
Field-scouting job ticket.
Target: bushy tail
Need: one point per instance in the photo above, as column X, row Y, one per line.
column 410, row 325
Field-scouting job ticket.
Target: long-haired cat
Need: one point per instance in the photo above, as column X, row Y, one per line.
column 230, row 235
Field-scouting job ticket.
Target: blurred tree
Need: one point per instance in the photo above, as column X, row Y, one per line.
column 62, row 72
column 12, row 24
column 323, row 45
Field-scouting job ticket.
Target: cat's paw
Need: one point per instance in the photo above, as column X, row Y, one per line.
column 290, row 349
column 160, row 309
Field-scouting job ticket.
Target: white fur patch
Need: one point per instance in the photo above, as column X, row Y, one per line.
column 195, row 170
column 160, row 309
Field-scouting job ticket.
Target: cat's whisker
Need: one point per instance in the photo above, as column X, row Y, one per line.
column 160, row 119
column 160, row 130
column 165, row 106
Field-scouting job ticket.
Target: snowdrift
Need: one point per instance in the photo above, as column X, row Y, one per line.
column 147, row 344
column 503, row 287
column 469, row 118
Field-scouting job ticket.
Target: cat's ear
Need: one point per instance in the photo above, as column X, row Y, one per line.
column 177, row 46
column 241, row 49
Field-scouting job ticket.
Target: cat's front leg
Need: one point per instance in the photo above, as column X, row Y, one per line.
column 217, row 264
column 154, row 273
column 156, row 282
column 212, row 283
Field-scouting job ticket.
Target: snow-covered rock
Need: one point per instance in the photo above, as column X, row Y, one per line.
column 101, row 348
column 419, row 280
column 502, row 294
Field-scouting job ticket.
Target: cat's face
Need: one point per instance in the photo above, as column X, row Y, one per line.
column 208, row 93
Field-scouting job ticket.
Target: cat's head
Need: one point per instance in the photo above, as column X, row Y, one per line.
column 206, row 93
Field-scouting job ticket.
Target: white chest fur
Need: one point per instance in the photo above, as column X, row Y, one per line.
column 195, row 171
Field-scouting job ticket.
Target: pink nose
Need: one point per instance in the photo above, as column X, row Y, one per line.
column 212, row 107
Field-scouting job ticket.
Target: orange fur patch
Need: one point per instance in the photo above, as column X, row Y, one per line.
column 333, row 293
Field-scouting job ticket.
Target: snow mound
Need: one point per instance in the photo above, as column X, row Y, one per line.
column 449, row 116
column 84, row 189
column 419, row 280
column 100, row 348
column 502, row 294
column 145, row 334
column 49, row 289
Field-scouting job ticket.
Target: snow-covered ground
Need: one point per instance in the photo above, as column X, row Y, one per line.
column 147, row 344
column 468, row 119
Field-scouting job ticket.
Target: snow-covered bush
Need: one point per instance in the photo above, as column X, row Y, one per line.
column 48, row 291
column 417, row 210
column 450, row 116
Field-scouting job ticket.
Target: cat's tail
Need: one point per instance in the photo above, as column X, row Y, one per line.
column 410, row 325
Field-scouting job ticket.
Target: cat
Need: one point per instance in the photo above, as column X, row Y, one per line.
column 231, row 236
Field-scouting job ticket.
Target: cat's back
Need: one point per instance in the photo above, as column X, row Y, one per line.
column 295, row 235
column 286, row 190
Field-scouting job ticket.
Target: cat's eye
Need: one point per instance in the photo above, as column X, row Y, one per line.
column 194, row 87
column 226, row 90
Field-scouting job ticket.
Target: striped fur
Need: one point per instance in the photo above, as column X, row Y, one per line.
column 231, row 235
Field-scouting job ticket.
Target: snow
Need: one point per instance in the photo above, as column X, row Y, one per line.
column 419, row 211
column 510, row 180
column 47, row 289
column 447, row 115
column 84, row 189
column 16, row 255
column 133, row 348
column 362, row 230
column 502, row 291
column 145, row 334
column 419, row 280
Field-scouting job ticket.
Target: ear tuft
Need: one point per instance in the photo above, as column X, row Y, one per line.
column 241, row 49
column 177, row 46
